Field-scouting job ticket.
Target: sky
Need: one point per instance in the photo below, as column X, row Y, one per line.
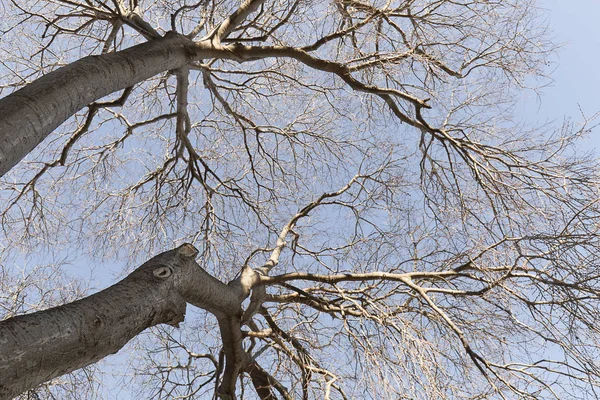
column 576, row 25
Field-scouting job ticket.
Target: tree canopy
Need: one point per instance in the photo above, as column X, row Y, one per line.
column 409, row 237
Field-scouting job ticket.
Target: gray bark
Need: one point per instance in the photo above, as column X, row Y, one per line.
column 37, row 347
column 30, row 114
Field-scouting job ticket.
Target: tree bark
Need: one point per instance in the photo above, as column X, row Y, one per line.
column 37, row 347
column 30, row 114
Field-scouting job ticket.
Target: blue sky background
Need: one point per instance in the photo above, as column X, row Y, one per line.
column 575, row 25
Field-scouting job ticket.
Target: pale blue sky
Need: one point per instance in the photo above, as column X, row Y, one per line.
column 575, row 24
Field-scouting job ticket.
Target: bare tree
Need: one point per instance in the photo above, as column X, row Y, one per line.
column 351, row 168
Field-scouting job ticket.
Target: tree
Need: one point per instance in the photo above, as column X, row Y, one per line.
column 351, row 167
column 40, row 346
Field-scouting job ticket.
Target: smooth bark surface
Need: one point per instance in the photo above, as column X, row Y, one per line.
column 37, row 347
column 30, row 114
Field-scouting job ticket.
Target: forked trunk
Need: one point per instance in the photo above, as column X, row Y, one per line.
column 37, row 347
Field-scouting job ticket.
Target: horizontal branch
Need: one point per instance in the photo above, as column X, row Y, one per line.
column 341, row 70
column 371, row 276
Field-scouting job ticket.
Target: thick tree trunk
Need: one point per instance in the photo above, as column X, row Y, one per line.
column 28, row 115
column 37, row 347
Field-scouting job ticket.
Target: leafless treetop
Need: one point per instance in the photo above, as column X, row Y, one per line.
column 413, row 240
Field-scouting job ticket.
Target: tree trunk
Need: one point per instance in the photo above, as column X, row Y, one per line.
column 30, row 114
column 37, row 347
